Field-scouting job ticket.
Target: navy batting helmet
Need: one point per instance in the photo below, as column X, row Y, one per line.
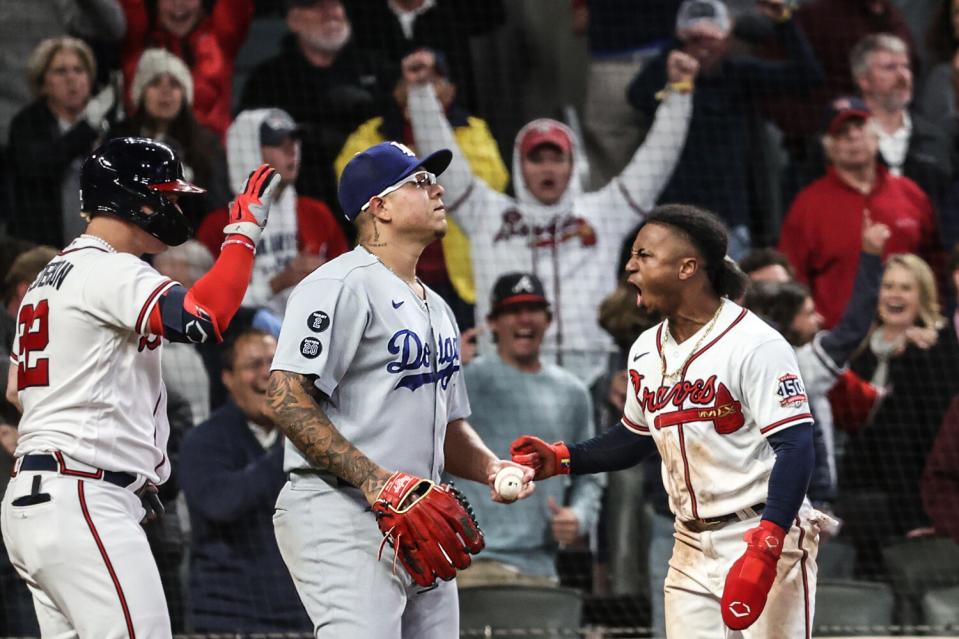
column 127, row 178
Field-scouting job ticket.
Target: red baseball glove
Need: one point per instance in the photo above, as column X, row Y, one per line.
column 753, row 574
column 431, row 527
column 546, row 459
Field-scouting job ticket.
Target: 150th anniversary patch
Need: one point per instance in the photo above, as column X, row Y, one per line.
column 791, row 390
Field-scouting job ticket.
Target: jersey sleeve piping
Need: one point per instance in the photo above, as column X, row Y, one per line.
column 782, row 424
column 143, row 319
column 633, row 426
column 461, row 199
column 80, row 248
column 628, row 197
column 705, row 348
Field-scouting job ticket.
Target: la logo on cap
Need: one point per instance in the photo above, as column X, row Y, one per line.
column 402, row 147
column 523, row 285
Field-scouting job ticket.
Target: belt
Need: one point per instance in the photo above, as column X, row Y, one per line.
column 711, row 523
column 55, row 463
column 329, row 478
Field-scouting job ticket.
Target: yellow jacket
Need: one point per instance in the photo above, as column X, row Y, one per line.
column 482, row 154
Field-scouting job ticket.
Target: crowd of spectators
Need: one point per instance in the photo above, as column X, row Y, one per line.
column 824, row 128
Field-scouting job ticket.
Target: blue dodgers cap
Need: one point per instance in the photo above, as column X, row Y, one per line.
column 380, row 167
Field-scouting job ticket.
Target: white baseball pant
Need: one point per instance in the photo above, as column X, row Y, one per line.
column 84, row 556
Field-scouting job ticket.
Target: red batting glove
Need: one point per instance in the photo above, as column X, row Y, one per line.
column 546, row 459
column 753, row 574
column 250, row 210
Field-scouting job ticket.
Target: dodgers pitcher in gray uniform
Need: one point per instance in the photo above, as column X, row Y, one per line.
column 366, row 381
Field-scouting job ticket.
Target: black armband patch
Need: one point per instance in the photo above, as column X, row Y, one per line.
column 179, row 324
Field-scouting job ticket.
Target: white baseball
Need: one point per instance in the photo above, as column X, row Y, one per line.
column 508, row 482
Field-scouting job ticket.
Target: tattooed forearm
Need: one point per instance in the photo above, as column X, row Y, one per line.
column 293, row 402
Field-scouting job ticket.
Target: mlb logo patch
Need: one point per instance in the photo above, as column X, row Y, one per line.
column 791, row 391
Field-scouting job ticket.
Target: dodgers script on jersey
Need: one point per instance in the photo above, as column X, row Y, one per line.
column 387, row 361
column 710, row 421
column 88, row 370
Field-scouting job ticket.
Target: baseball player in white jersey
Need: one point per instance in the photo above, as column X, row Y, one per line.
column 86, row 370
column 718, row 393
column 367, row 386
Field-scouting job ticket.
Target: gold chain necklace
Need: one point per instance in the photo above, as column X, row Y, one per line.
column 412, row 286
column 662, row 349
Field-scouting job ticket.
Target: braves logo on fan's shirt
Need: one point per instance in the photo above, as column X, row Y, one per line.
column 562, row 229
column 414, row 354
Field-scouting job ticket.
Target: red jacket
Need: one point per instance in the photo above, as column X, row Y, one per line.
column 317, row 228
column 822, row 233
column 940, row 481
column 209, row 50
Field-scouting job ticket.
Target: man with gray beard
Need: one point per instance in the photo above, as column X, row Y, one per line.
column 329, row 87
column 909, row 144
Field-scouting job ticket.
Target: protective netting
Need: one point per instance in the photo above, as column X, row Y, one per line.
column 802, row 126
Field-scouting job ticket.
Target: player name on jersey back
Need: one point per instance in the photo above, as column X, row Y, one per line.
column 52, row 274
column 88, row 369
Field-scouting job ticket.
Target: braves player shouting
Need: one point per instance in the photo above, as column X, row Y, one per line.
column 718, row 392
column 367, row 386
column 86, row 365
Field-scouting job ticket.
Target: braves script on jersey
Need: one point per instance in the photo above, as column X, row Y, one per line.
column 711, row 420
column 88, row 371
column 387, row 360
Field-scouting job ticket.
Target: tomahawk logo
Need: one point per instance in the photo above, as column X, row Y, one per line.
column 524, row 285
column 739, row 609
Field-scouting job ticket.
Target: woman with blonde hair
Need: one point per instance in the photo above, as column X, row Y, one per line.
column 49, row 139
column 911, row 357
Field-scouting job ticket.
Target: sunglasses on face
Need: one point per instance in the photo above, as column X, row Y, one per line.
column 422, row 180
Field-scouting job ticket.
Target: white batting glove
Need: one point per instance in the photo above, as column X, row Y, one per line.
column 251, row 208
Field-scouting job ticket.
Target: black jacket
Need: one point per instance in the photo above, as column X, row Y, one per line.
column 889, row 454
column 713, row 170
column 38, row 157
column 329, row 103
column 238, row 581
column 446, row 27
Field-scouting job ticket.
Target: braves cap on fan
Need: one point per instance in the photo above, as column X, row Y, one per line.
column 545, row 132
column 380, row 167
column 843, row 109
column 277, row 127
column 517, row 288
